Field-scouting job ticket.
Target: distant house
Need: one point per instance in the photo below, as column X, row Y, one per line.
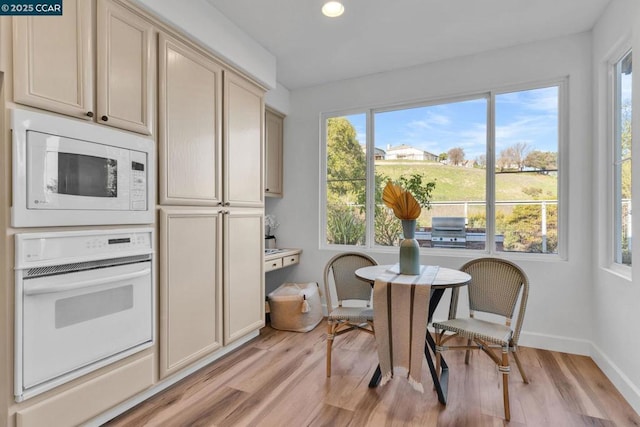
column 407, row 152
column 378, row 153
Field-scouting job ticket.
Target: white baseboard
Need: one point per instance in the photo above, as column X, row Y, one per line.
column 556, row 343
column 125, row 406
column 618, row 378
column 625, row 386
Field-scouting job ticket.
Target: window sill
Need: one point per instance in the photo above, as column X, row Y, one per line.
column 621, row 271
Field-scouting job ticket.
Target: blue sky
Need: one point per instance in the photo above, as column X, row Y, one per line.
column 526, row 116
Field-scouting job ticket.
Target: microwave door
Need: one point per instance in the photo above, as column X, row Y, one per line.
column 71, row 174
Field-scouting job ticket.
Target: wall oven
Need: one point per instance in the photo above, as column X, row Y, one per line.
column 67, row 172
column 83, row 299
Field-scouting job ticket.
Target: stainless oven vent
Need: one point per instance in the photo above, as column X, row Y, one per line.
column 448, row 232
column 82, row 266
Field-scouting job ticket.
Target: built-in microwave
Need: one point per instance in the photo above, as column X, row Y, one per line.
column 67, row 172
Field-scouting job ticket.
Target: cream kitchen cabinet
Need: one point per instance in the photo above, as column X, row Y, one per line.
column 243, row 272
column 211, row 280
column 190, row 269
column 193, row 138
column 57, row 73
column 190, row 132
column 243, row 142
column 273, row 153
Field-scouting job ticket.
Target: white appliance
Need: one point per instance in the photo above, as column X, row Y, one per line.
column 83, row 299
column 67, row 172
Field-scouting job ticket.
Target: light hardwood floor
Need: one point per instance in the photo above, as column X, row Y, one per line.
column 279, row 379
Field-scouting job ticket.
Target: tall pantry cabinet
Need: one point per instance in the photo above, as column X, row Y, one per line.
column 211, row 123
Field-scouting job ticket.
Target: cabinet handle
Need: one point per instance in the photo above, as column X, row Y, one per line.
column 274, row 264
column 104, row 118
column 266, row 189
column 219, row 203
column 89, row 113
column 227, row 203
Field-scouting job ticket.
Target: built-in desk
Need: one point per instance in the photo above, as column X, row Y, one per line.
column 280, row 258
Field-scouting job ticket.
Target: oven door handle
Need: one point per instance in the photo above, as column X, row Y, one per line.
column 48, row 289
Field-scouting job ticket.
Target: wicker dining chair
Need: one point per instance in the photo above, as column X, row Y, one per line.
column 495, row 287
column 341, row 268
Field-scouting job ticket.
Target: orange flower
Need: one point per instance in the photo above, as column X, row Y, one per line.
column 402, row 202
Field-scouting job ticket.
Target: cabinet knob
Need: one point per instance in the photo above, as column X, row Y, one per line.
column 219, row 203
column 89, row 113
column 104, row 118
column 266, row 189
column 227, row 203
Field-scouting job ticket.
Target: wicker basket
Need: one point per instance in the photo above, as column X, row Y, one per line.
column 295, row 307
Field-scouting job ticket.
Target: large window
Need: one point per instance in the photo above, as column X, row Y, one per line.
column 493, row 158
column 622, row 160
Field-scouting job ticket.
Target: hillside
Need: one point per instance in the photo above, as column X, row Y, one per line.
column 460, row 183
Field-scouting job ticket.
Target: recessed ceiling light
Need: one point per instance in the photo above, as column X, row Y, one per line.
column 333, row 9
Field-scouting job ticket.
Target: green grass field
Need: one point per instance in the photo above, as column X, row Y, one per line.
column 468, row 184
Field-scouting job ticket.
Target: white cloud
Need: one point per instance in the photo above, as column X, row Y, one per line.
column 432, row 119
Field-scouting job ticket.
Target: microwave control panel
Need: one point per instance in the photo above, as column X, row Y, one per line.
column 138, row 193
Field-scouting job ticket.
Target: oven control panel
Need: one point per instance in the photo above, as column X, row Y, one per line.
column 36, row 248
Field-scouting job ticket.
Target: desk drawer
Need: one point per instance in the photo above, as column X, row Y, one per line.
column 273, row 264
column 291, row 259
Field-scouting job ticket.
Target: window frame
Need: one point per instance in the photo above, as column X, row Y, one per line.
column 561, row 83
column 614, row 103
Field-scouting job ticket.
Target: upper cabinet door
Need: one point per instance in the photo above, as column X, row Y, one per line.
column 55, row 73
column 126, row 69
column 273, row 153
column 243, row 142
column 190, row 117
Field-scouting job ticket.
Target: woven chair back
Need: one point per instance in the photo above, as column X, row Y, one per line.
column 341, row 268
column 495, row 287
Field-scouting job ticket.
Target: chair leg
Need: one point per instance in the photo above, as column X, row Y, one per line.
column 520, row 368
column 438, row 353
column 504, row 368
column 330, row 336
column 467, row 352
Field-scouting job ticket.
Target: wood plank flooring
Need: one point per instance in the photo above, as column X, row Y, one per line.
column 279, row 380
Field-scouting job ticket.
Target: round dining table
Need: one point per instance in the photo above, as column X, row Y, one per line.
column 440, row 279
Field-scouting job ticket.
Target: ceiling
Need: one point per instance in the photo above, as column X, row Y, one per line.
column 375, row 35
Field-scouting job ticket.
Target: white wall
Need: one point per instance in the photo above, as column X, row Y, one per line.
column 278, row 99
column 559, row 311
column 206, row 24
column 616, row 298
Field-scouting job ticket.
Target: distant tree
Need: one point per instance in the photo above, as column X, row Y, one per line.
column 505, row 160
column 481, row 161
column 541, row 160
column 456, row 155
column 519, row 152
column 442, row 157
column 513, row 156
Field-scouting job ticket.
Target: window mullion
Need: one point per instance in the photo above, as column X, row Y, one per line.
column 491, row 175
column 371, row 181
